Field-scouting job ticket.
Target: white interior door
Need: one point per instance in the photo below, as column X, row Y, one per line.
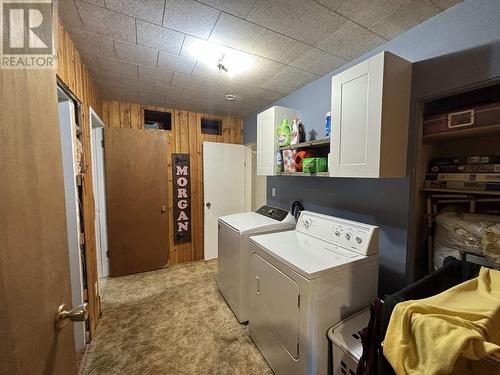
column 68, row 130
column 99, row 186
column 223, row 188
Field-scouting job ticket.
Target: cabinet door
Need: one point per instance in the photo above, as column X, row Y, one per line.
column 356, row 114
column 265, row 143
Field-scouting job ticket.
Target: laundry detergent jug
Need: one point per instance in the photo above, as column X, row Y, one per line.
column 283, row 134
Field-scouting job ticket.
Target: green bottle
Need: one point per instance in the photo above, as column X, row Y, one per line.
column 284, row 133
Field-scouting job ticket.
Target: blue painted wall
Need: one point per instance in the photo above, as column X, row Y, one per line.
column 386, row 202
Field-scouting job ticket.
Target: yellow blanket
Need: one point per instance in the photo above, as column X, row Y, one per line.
column 437, row 335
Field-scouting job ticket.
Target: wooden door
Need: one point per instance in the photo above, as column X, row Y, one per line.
column 34, row 265
column 136, row 191
column 223, row 188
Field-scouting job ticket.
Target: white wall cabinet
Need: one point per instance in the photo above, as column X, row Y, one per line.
column 370, row 115
column 267, row 123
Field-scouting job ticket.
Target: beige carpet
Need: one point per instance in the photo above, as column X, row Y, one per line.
column 171, row 321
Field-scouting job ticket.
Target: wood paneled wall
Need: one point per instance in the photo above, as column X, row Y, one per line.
column 73, row 73
column 185, row 137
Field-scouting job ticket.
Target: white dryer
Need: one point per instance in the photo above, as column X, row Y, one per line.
column 304, row 281
column 234, row 231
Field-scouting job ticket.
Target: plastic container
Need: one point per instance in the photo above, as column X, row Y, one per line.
column 283, row 134
column 346, row 343
column 328, row 124
column 279, row 161
column 295, row 132
column 315, row 165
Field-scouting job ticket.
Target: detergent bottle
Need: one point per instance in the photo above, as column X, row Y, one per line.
column 295, row 132
column 283, row 134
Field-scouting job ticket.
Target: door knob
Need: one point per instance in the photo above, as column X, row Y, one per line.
column 208, row 204
column 76, row 314
column 163, row 209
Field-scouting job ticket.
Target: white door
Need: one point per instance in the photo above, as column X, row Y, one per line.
column 223, row 188
column 266, row 142
column 99, row 182
column 356, row 121
column 68, row 134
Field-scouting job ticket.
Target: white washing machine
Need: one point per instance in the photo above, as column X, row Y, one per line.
column 234, row 231
column 304, row 281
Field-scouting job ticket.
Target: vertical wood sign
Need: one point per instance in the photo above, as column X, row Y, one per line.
column 181, row 171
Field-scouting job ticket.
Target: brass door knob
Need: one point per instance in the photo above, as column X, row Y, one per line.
column 76, row 314
column 163, row 209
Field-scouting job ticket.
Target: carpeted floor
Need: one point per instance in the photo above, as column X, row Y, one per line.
column 171, row 321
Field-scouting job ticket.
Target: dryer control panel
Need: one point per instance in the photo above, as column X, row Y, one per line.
column 273, row 212
column 351, row 235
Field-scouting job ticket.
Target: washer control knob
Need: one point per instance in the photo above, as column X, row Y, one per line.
column 337, row 233
column 359, row 240
column 348, row 236
column 307, row 223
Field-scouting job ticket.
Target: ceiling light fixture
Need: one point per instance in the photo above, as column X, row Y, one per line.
column 230, row 97
column 220, row 58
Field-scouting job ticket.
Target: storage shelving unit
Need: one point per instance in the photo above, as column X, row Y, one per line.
column 484, row 140
column 318, row 143
column 303, row 174
column 321, row 146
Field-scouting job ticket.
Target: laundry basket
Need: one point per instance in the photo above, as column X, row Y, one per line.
column 346, row 343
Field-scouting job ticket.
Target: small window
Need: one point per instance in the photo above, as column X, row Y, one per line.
column 211, row 126
column 157, row 120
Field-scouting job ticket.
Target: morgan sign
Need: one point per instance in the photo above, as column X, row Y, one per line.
column 181, row 171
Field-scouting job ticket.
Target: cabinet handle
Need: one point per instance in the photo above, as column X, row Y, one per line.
column 257, row 279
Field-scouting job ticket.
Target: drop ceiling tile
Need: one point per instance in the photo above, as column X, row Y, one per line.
column 367, row 47
column 159, row 38
column 90, row 43
column 107, row 23
column 405, row 18
column 316, row 25
column 271, row 45
column 90, row 62
column 136, row 54
column 147, row 10
column 278, row 15
column 302, row 56
column 234, row 32
column 445, row 4
column 239, row 8
column 69, row 14
column 203, row 71
column 109, row 78
column 138, row 84
column 368, row 12
column 164, row 89
column 155, row 75
column 190, row 17
column 186, row 80
column 325, row 64
column 288, row 80
column 174, row 63
column 96, row 2
column 112, row 65
column 332, row 4
column 347, row 40
column 153, row 99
